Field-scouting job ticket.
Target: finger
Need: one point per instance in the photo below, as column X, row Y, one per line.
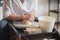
column 31, row 19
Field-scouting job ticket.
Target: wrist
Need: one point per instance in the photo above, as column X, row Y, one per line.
column 23, row 17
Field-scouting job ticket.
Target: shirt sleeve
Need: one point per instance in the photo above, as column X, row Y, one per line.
column 30, row 5
column 6, row 9
column 35, row 7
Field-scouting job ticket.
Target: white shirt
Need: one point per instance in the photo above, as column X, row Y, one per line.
column 19, row 8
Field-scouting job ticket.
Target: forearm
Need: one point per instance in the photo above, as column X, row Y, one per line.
column 14, row 17
column 17, row 17
column 21, row 17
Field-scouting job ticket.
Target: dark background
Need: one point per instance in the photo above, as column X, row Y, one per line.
column 0, row 3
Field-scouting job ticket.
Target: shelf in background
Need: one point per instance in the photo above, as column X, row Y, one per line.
column 55, row 11
column 57, row 22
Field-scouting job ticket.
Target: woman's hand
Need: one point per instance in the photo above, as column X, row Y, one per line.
column 30, row 16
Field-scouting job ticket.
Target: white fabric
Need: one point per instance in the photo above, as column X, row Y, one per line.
column 8, row 12
column 19, row 8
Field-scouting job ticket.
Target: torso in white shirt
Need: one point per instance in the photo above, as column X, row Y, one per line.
column 19, row 8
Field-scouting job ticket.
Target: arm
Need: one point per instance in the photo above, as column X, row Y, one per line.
column 7, row 12
column 9, row 15
column 18, row 17
column 14, row 17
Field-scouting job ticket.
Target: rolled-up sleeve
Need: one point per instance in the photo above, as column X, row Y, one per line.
column 6, row 9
